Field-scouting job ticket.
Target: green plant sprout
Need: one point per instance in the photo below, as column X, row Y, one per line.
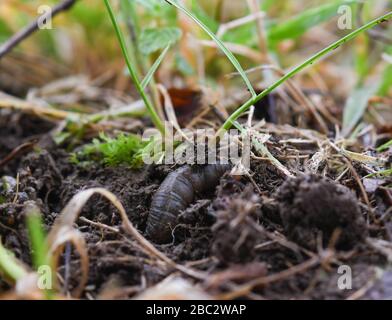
column 150, row 74
column 12, row 268
column 38, row 241
column 37, row 236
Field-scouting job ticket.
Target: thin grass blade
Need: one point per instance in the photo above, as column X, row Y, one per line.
column 310, row 61
column 219, row 43
column 154, row 68
column 132, row 70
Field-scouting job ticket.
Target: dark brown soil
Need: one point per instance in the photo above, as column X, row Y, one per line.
column 235, row 236
column 266, row 231
column 16, row 129
column 313, row 207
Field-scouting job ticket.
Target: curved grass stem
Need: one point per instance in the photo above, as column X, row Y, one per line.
column 236, row 114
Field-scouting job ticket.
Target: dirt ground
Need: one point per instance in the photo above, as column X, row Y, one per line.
column 285, row 226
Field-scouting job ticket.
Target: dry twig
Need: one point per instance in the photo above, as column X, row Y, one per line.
column 34, row 26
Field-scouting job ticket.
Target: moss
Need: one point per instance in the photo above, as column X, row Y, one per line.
column 122, row 150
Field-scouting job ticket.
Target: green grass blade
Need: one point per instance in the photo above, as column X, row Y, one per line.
column 356, row 105
column 9, row 266
column 385, row 146
column 310, row 61
column 219, row 43
column 132, row 70
column 301, row 23
column 38, row 241
column 39, row 246
column 381, row 173
column 154, row 68
column 155, row 39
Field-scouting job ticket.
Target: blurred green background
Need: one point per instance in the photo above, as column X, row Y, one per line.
column 84, row 41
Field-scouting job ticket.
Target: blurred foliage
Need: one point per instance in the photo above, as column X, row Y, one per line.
column 78, row 34
column 154, row 39
column 301, row 23
column 386, row 83
column 356, row 105
column 84, row 38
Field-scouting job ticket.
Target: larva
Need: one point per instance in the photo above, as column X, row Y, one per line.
column 176, row 193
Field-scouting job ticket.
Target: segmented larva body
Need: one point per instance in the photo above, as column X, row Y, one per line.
column 176, row 193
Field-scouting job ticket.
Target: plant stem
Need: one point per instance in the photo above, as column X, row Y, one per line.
column 141, row 60
column 153, row 114
column 37, row 236
column 218, row 42
column 236, row 114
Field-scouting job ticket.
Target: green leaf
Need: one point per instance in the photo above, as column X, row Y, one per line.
column 356, row 105
column 154, row 39
column 132, row 68
column 299, row 24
